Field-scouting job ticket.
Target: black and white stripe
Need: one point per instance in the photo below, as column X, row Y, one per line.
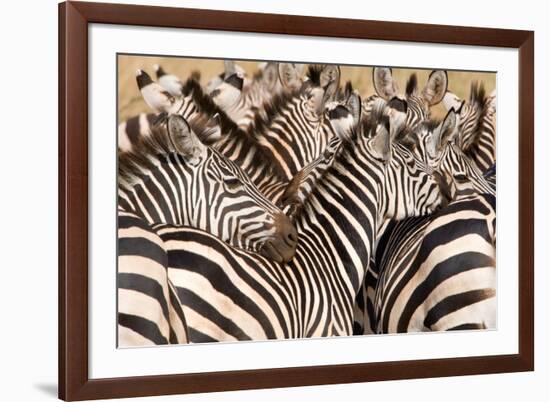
column 438, row 273
column 149, row 311
column 172, row 177
column 230, row 294
column 418, row 249
column 477, row 125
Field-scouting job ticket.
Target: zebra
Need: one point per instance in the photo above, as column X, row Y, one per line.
column 159, row 100
column 242, row 102
column 440, row 274
column 289, row 125
column 403, row 270
column 344, row 115
column 477, row 124
column 230, row 67
column 172, row 177
column 450, row 161
column 292, row 127
column 234, row 294
column 290, row 131
column 149, row 310
column 418, row 102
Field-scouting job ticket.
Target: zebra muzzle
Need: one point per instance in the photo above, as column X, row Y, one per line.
column 282, row 246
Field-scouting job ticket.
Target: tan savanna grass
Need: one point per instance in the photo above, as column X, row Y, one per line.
column 130, row 101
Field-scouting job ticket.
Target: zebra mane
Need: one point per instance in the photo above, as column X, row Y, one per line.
column 344, row 93
column 314, row 74
column 228, row 127
column 412, row 84
column 145, row 156
column 478, row 99
column 266, row 114
column 195, row 75
column 208, row 107
column 477, row 94
column 295, row 195
column 258, row 75
column 271, row 108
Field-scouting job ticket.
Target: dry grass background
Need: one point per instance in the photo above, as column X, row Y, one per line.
column 130, row 101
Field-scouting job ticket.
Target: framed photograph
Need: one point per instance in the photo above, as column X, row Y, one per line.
column 260, row 200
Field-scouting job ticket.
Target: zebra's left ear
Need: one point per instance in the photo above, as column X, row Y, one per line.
column 383, row 82
column 447, row 130
column 354, row 105
column 330, row 80
column 270, row 74
column 436, row 88
column 230, row 68
column 184, row 140
column 380, row 144
column 397, row 114
column 290, row 76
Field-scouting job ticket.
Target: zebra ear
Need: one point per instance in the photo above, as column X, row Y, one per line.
column 380, row 144
column 435, row 89
column 383, row 82
column 229, row 68
column 330, row 80
column 270, row 74
column 447, row 130
column 184, row 140
column 354, row 105
column 397, row 114
column 289, row 76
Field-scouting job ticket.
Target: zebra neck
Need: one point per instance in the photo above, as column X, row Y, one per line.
column 342, row 213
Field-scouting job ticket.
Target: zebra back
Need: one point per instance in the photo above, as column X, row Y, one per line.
column 149, row 311
column 438, row 273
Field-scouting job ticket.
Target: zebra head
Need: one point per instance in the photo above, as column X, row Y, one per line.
column 319, row 85
column 470, row 113
column 446, row 156
column 410, row 186
column 407, row 185
column 171, row 177
column 418, row 101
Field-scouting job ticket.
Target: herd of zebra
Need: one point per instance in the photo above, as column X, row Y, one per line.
column 287, row 205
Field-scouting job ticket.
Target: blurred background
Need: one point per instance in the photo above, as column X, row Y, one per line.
column 131, row 103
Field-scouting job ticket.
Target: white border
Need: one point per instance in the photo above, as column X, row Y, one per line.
column 107, row 361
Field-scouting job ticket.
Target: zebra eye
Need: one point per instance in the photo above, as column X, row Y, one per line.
column 232, row 183
column 411, row 163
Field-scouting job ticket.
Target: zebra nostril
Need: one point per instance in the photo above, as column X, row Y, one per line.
column 286, row 231
column 282, row 246
column 291, row 237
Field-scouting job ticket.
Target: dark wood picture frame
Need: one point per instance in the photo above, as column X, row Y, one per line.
column 74, row 18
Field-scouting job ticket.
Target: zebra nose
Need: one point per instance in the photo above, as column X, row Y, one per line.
column 282, row 246
column 287, row 231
